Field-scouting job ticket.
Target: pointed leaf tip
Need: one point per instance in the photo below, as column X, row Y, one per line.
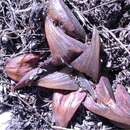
column 18, row 66
column 58, row 80
column 104, row 91
column 60, row 13
column 61, row 45
column 89, row 61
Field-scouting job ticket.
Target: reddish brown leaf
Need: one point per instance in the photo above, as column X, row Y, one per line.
column 61, row 14
column 28, row 78
column 114, row 107
column 94, row 107
column 107, row 112
column 104, row 91
column 64, row 106
column 18, row 66
column 89, row 61
column 123, row 99
column 61, row 45
column 58, row 80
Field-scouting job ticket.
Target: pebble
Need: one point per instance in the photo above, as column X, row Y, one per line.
column 104, row 127
column 87, row 118
column 99, row 124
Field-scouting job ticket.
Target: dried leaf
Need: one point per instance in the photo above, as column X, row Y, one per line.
column 18, row 66
column 61, row 14
column 61, row 45
column 89, row 61
column 64, row 106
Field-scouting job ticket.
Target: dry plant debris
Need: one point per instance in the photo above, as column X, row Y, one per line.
column 65, row 64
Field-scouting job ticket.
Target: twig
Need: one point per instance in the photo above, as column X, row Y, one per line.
column 7, row 104
column 110, row 2
column 47, row 122
column 113, row 35
column 23, row 10
column 120, row 29
column 24, row 101
column 80, row 15
column 31, row 107
column 13, row 16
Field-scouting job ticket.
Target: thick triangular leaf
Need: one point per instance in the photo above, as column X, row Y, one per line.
column 89, row 61
column 63, row 16
column 104, row 91
column 65, row 105
column 58, row 80
column 106, row 111
column 114, row 107
column 94, row 107
column 18, row 66
column 61, row 45
column 123, row 99
column 28, row 78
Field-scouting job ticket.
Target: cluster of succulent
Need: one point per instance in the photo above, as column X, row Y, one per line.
column 73, row 71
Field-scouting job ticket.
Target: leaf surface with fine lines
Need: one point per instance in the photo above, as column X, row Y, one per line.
column 65, row 105
column 89, row 61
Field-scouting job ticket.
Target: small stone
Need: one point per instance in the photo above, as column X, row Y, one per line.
column 87, row 118
column 104, row 127
column 99, row 124
column 128, row 89
column 4, row 38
